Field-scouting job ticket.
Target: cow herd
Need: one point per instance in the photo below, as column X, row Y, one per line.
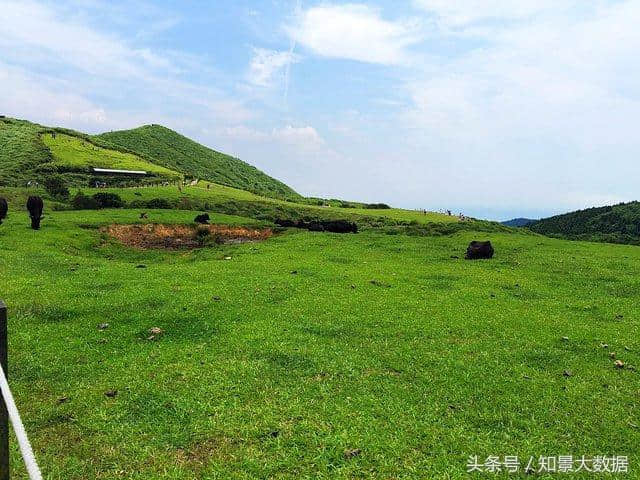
column 35, row 205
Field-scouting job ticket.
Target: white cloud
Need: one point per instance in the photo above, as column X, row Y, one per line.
column 77, row 74
column 550, row 100
column 458, row 13
column 355, row 32
column 267, row 64
column 305, row 137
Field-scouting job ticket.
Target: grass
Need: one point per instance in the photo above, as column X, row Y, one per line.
column 73, row 154
column 380, row 343
column 172, row 150
column 217, row 195
column 21, row 151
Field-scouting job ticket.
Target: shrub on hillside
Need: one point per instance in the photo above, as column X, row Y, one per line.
column 84, row 202
column 159, row 203
column 108, row 200
column 377, row 206
column 56, row 187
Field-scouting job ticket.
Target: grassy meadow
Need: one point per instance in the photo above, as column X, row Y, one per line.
column 315, row 355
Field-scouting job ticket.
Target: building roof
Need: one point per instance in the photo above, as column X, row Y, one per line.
column 123, row 172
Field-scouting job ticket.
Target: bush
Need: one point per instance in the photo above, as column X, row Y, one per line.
column 159, row 203
column 108, row 200
column 56, row 187
column 83, row 202
column 377, row 206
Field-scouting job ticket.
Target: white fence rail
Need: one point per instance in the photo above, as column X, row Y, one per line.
column 9, row 409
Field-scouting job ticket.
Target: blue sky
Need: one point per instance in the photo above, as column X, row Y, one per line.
column 496, row 109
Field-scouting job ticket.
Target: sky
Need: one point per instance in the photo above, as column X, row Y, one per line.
column 493, row 108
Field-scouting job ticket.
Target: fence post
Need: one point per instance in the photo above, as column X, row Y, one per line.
column 4, row 417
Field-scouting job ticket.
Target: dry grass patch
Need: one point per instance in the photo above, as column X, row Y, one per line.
column 155, row 235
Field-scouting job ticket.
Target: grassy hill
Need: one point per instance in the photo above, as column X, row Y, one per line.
column 29, row 151
column 172, row 150
column 74, row 154
column 617, row 224
column 21, row 151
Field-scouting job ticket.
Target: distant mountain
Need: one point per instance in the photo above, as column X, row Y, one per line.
column 616, row 224
column 518, row 222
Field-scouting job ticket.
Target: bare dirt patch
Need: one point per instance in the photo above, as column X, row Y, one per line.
column 155, row 235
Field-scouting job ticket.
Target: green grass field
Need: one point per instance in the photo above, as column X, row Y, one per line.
column 75, row 154
column 381, row 343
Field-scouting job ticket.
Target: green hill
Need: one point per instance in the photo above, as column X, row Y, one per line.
column 616, row 223
column 21, row 151
column 29, row 151
column 172, row 150
column 74, row 154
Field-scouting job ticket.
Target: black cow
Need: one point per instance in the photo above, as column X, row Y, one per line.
column 479, row 250
column 202, row 219
column 4, row 208
column 35, row 207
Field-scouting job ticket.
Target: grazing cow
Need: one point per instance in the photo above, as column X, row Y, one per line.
column 479, row 250
column 202, row 218
column 35, row 206
column 4, row 208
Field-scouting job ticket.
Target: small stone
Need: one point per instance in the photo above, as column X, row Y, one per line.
column 567, row 373
column 227, row 258
column 216, row 299
column 618, row 364
column 619, row 317
column 612, row 355
column 103, row 326
column 604, row 345
column 62, row 400
column 627, row 348
column 294, row 272
column 565, row 339
column 141, row 266
column 111, row 393
column 154, row 333
column 352, row 453
column 353, row 287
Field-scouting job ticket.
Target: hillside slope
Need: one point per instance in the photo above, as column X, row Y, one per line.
column 21, row 151
column 165, row 147
column 616, row 223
